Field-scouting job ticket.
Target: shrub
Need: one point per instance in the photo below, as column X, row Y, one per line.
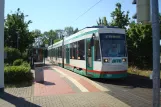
column 12, row 55
column 17, row 74
column 17, row 62
column 25, row 64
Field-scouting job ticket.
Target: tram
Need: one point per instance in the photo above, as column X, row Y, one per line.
column 95, row 52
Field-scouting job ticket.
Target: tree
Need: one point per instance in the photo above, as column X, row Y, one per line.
column 16, row 31
column 59, row 33
column 69, row 30
column 105, row 21
column 139, row 37
column 36, row 33
column 119, row 18
column 76, row 30
column 51, row 35
column 99, row 22
column 102, row 21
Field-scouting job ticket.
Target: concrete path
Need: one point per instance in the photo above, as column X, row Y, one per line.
column 62, row 88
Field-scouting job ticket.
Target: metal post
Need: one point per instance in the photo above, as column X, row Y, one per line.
column 156, row 53
column 63, row 52
column 2, row 2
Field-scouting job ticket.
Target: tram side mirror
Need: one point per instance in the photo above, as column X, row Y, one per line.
column 92, row 40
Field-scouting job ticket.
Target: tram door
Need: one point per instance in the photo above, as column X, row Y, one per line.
column 89, row 56
column 67, row 54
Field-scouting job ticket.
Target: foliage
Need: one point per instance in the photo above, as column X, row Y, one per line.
column 102, row 22
column 69, row 30
column 25, row 56
column 57, row 40
column 119, row 18
column 16, row 31
column 76, row 30
column 25, row 64
column 51, row 35
column 21, row 62
column 12, row 55
column 17, row 74
column 59, row 33
column 36, row 33
column 17, row 62
column 139, row 37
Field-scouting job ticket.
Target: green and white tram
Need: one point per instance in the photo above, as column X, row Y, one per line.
column 96, row 52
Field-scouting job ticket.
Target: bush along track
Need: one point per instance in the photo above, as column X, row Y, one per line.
column 18, row 74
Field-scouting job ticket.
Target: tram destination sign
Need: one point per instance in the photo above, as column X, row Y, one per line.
column 112, row 36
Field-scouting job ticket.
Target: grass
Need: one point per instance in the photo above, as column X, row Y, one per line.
column 136, row 71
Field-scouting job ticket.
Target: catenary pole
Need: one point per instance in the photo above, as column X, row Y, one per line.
column 156, row 53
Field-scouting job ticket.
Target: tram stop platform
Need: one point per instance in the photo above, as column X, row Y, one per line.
column 61, row 88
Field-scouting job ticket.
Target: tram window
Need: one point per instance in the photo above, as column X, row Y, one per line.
column 51, row 52
column 60, row 52
column 75, row 45
column 71, row 50
column 81, row 49
column 54, row 52
column 64, row 51
column 48, row 53
column 57, row 52
column 97, row 50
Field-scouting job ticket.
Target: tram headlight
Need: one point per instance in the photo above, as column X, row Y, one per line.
column 106, row 60
column 124, row 59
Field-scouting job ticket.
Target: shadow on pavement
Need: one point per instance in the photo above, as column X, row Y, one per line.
column 131, row 81
column 17, row 101
column 47, row 83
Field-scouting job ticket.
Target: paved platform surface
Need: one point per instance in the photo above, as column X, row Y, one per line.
column 62, row 88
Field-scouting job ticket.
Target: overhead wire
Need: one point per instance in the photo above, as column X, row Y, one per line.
column 87, row 10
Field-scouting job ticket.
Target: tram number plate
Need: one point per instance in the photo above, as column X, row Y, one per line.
column 116, row 61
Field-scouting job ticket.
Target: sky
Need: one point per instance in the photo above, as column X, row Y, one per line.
column 57, row 14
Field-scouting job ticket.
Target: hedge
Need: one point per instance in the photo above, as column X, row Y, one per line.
column 17, row 62
column 17, row 74
column 26, row 64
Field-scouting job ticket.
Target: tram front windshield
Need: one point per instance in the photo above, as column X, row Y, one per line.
column 113, row 45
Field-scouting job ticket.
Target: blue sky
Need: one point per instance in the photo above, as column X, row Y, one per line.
column 57, row 14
